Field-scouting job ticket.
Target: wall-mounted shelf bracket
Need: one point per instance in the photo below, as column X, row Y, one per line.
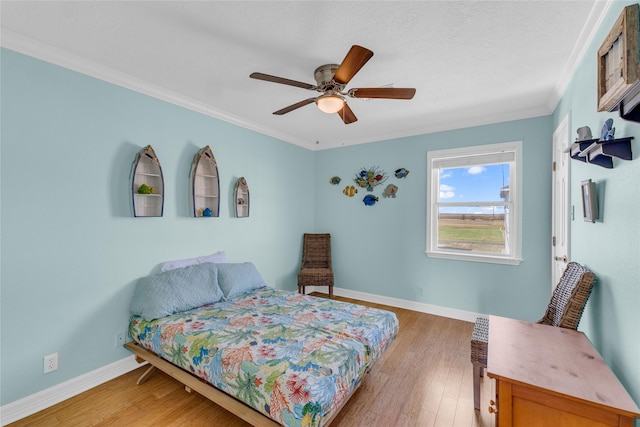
column 601, row 153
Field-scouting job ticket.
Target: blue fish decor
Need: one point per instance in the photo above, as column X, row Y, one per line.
column 369, row 200
column 335, row 180
column 607, row 131
column 370, row 178
column 390, row 191
column 401, row 173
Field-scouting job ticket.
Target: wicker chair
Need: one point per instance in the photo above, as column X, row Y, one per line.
column 564, row 310
column 316, row 262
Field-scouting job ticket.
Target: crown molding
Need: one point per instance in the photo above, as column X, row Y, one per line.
column 589, row 30
column 42, row 51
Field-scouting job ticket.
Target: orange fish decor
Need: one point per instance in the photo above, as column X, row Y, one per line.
column 350, row 191
column 370, row 178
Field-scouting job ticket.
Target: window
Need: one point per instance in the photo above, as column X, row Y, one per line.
column 473, row 203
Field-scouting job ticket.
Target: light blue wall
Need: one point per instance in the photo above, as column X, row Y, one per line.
column 71, row 250
column 381, row 249
column 611, row 246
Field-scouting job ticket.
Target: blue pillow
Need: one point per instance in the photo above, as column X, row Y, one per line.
column 173, row 291
column 236, row 279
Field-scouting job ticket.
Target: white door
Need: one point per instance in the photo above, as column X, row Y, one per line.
column 560, row 215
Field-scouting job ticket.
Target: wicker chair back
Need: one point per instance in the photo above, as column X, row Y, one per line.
column 569, row 297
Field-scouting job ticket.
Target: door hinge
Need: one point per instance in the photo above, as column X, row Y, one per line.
column 553, row 166
column 553, row 241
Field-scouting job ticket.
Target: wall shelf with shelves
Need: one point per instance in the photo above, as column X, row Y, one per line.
column 205, row 185
column 601, row 153
column 147, row 184
column 241, row 198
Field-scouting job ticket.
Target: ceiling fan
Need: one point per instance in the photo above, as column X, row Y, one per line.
column 331, row 80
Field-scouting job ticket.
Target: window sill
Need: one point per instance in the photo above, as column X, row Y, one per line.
column 474, row 258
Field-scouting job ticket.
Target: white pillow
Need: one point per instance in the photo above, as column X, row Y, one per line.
column 218, row 257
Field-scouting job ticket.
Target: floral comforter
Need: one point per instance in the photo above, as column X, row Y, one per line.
column 292, row 357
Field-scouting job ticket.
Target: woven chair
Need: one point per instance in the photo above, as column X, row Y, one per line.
column 315, row 269
column 564, row 311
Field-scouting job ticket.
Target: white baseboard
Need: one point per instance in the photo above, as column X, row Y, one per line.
column 452, row 313
column 37, row 402
column 29, row 405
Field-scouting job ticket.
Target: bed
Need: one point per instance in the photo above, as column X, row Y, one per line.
column 293, row 359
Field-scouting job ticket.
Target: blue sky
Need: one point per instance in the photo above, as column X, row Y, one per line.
column 473, row 184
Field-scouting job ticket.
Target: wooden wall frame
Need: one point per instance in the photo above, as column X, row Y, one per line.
column 618, row 66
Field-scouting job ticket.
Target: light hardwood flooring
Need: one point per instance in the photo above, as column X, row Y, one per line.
column 424, row 379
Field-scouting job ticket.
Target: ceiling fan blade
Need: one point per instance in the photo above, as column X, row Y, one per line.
column 352, row 63
column 347, row 115
column 281, row 80
column 295, row 106
column 383, row 92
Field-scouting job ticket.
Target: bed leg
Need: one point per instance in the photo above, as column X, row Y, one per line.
column 144, row 377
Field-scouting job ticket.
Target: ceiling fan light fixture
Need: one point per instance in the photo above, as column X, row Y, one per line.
column 330, row 103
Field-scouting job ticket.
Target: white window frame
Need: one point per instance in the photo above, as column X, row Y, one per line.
column 508, row 152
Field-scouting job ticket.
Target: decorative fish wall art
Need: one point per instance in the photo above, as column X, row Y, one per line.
column 390, row 191
column 350, row 191
column 401, row 173
column 369, row 178
column 369, row 200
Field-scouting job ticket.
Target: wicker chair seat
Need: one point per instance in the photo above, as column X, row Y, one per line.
column 564, row 310
column 316, row 277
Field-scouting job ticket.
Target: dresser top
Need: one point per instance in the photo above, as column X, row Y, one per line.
column 558, row 360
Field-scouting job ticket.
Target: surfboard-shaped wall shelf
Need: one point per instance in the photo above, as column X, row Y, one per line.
column 241, row 198
column 147, row 184
column 205, row 185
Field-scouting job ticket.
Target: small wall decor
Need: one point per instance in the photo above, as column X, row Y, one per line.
column 335, row 180
column 241, row 197
column 589, row 202
column 390, row 191
column 369, row 200
column 350, row 191
column 401, row 173
column 584, row 133
column 618, row 66
column 370, row 178
column 607, row 131
column 147, row 184
column 205, row 185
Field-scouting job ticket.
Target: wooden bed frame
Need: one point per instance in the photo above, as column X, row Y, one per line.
column 192, row 382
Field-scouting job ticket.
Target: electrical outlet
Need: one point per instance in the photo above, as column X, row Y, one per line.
column 420, row 292
column 50, row 363
column 119, row 342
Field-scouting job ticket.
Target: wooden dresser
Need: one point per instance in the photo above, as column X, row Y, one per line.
column 548, row 376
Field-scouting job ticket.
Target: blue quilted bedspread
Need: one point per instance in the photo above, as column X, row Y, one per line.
column 292, row 357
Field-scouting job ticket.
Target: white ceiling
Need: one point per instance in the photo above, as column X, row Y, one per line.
column 471, row 62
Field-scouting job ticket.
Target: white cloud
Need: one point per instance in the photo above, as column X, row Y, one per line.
column 474, row 170
column 446, row 191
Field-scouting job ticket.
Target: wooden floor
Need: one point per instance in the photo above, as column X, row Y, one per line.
column 424, row 379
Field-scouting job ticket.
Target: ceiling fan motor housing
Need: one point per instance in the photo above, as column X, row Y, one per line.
column 324, row 78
